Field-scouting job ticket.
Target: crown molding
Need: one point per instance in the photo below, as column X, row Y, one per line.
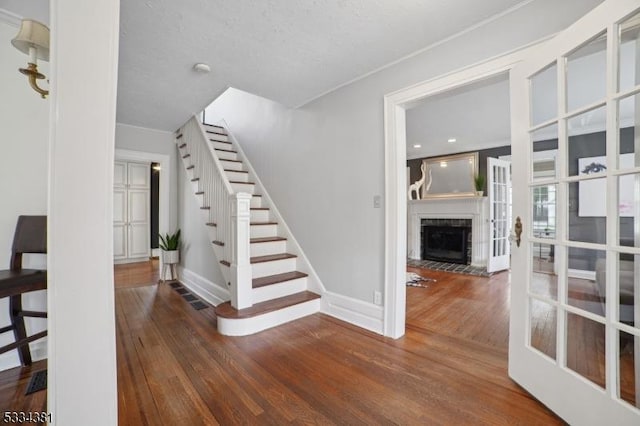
column 10, row 18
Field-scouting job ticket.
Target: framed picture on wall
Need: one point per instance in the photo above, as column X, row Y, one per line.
column 592, row 193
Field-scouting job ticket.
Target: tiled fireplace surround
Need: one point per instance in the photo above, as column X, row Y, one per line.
column 473, row 208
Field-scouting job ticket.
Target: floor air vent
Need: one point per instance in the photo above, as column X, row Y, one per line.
column 38, row 382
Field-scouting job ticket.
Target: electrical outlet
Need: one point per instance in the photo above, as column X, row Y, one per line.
column 377, row 298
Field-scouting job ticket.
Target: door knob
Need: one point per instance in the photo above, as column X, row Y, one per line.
column 518, row 230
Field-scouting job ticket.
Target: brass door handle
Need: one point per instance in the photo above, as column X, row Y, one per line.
column 518, row 229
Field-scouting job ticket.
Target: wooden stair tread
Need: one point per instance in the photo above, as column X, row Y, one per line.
column 183, row 145
column 216, row 140
column 216, row 133
column 236, row 171
column 226, row 150
column 195, row 179
column 262, row 223
column 225, row 310
column 277, row 278
column 205, row 208
column 272, row 257
column 225, row 263
column 244, row 183
column 199, row 192
column 211, row 224
column 186, row 156
column 213, row 125
column 179, row 136
column 218, row 243
column 266, row 240
column 191, row 167
column 259, row 208
column 233, row 161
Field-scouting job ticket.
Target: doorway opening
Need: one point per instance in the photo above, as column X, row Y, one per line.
column 458, row 218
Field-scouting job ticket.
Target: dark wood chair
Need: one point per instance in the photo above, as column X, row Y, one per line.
column 30, row 237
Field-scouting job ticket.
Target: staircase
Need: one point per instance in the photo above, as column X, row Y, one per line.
column 269, row 279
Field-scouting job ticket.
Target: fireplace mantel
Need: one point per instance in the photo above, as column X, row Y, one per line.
column 474, row 208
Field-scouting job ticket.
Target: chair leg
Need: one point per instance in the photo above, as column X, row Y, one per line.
column 19, row 330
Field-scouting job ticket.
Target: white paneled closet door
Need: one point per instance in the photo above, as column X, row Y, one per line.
column 131, row 211
column 120, row 211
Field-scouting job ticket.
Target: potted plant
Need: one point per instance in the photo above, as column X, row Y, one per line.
column 478, row 181
column 170, row 246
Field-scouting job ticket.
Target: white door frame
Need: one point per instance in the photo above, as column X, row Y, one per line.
column 395, row 103
column 165, row 179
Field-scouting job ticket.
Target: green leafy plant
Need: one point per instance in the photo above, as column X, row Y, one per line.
column 170, row 242
column 479, row 180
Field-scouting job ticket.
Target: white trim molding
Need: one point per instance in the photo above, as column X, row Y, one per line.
column 354, row 311
column 395, row 104
column 210, row 292
column 10, row 18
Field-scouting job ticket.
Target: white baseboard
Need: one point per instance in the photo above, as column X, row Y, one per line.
column 133, row 260
column 583, row 275
column 354, row 311
column 11, row 360
column 212, row 293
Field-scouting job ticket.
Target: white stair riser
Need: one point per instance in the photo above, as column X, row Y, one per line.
column 227, row 155
column 261, row 231
column 259, row 215
column 256, row 202
column 216, row 136
column 275, row 291
column 231, row 165
column 264, row 249
column 238, row 176
column 264, row 269
column 246, row 326
column 222, row 145
column 243, row 187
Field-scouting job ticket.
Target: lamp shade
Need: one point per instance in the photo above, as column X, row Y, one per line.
column 33, row 34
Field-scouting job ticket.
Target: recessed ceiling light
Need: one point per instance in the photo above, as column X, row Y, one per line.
column 451, row 140
column 417, row 145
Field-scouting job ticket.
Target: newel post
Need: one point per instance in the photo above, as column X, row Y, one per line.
column 241, row 288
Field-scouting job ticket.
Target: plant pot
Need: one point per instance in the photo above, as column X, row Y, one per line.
column 169, row 257
column 479, row 193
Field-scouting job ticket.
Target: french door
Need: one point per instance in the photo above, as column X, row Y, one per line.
column 575, row 295
column 499, row 188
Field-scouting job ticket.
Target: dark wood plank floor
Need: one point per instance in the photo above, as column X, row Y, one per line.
column 450, row 368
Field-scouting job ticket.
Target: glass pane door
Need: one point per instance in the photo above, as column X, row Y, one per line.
column 576, row 323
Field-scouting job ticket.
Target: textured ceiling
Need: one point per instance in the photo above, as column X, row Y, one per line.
column 288, row 51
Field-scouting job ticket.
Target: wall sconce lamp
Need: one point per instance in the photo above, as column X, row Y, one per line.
column 33, row 39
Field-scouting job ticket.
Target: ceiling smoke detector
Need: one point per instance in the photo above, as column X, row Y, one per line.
column 203, row 68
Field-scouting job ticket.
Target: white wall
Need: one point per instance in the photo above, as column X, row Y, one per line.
column 158, row 142
column 324, row 162
column 24, row 120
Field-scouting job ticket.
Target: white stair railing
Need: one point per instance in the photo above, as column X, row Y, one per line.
column 228, row 213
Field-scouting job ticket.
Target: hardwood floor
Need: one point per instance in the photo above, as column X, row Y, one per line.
column 450, row 368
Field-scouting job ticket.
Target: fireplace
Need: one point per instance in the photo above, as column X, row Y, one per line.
column 446, row 240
